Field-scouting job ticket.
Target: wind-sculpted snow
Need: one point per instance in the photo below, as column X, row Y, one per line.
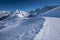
column 16, row 28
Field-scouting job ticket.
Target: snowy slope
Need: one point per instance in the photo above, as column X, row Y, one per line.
column 51, row 26
column 21, row 29
column 52, row 13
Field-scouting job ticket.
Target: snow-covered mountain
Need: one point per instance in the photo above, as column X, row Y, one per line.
column 44, row 26
column 53, row 13
column 39, row 11
column 22, row 14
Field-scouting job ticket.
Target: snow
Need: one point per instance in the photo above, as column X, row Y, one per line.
column 22, row 14
column 52, row 13
column 51, row 26
column 40, row 34
column 52, row 30
column 25, row 29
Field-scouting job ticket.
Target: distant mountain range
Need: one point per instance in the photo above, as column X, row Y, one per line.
column 41, row 10
column 31, row 13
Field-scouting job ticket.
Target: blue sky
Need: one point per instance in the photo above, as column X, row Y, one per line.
column 26, row 4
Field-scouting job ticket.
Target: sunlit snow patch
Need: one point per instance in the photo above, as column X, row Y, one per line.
column 23, row 14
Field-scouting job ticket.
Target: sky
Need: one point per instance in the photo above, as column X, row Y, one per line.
column 26, row 4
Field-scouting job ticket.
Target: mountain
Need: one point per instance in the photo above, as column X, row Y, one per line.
column 39, row 11
column 32, row 13
column 52, row 13
column 22, row 14
column 34, row 26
